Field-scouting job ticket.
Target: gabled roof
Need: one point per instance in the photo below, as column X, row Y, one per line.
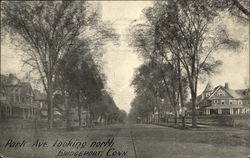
column 245, row 93
column 231, row 92
column 234, row 93
column 208, row 87
column 214, row 91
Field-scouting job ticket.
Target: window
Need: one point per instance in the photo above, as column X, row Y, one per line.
column 207, row 94
column 230, row 102
column 240, row 110
column 222, row 102
column 236, row 111
column 220, row 93
column 239, row 102
column 215, row 101
column 213, row 111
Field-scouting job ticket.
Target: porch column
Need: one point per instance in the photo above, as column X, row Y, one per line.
column 6, row 112
column 14, row 95
column 238, row 111
column 231, row 111
column 29, row 113
column 10, row 111
column 207, row 111
column 19, row 95
column 243, row 110
column 33, row 112
column 220, row 111
column 23, row 111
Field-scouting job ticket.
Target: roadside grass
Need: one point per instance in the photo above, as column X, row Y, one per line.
column 208, row 135
column 212, row 142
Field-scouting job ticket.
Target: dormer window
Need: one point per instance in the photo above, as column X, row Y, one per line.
column 220, row 93
column 207, row 94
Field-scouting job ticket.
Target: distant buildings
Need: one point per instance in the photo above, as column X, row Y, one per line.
column 222, row 100
column 18, row 99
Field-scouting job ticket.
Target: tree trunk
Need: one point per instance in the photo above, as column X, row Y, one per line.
column 149, row 118
column 68, row 118
column 88, row 116
column 50, row 105
column 105, row 120
column 194, row 120
column 80, row 115
column 181, row 95
column 175, row 114
column 183, row 120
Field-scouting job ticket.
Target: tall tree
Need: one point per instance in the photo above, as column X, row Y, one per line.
column 184, row 31
column 159, row 79
column 44, row 30
column 79, row 76
column 146, row 39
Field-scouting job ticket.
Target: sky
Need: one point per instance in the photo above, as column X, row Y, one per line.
column 121, row 61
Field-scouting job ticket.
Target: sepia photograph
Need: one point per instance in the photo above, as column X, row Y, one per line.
column 125, row 79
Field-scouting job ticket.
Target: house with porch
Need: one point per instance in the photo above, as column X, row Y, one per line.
column 17, row 99
column 222, row 100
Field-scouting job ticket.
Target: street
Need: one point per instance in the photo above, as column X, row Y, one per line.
column 131, row 141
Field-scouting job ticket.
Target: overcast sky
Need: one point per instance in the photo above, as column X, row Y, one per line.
column 121, row 61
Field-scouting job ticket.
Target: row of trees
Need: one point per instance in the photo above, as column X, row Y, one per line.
column 176, row 39
column 62, row 41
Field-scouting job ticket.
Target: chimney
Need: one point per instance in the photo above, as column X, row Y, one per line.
column 226, row 85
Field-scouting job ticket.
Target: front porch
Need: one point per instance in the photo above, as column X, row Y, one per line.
column 225, row 110
column 18, row 112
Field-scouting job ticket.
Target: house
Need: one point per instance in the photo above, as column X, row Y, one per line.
column 40, row 99
column 17, row 99
column 223, row 100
